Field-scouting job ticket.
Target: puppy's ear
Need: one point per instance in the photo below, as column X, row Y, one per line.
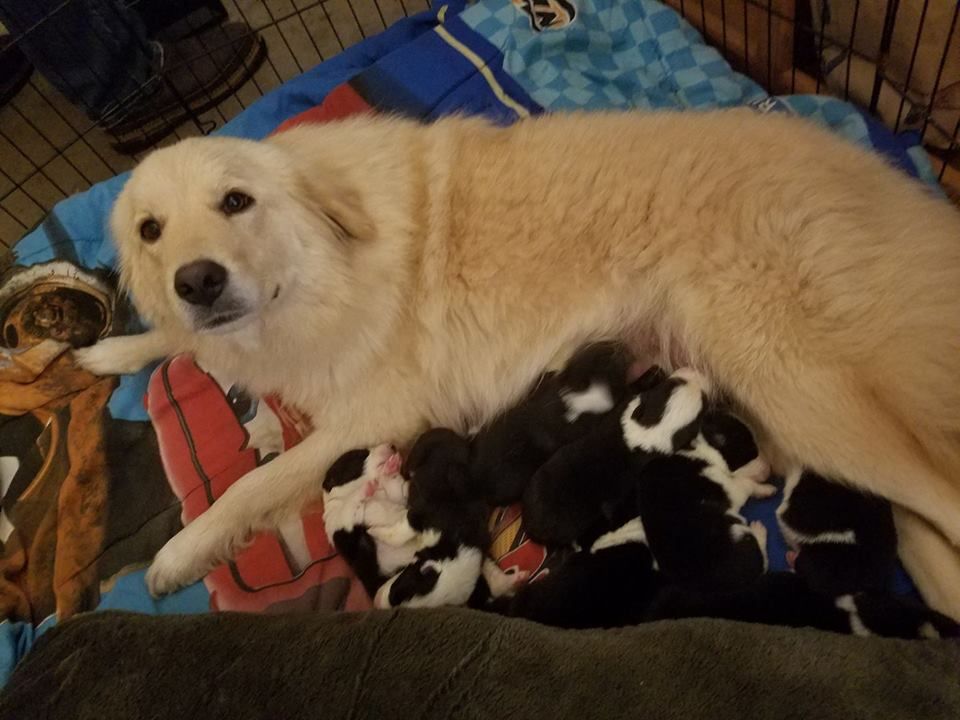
column 460, row 481
column 337, row 202
column 652, row 377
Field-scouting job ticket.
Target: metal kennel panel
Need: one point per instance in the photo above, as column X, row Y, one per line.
column 900, row 59
column 50, row 148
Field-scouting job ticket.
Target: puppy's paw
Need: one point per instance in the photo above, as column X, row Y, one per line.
column 756, row 471
column 759, row 531
column 500, row 582
column 764, row 490
column 179, row 563
column 396, row 535
column 518, row 578
column 111, row 356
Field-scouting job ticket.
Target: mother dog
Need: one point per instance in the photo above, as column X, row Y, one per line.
column 385, row 275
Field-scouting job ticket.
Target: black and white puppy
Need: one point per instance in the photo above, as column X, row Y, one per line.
column 561, row 407
column 363, row 491
column 447, row 518
column 690, row 502
column 787, row 599
column 611, row 578
column 845, row 540
column 575, row 495
column 609, row 585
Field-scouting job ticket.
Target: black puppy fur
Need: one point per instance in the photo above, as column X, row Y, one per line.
column 845, row 539
column 611, row 587
column 445, row 506
column 577, row 491
column 561, row 408
column 690, row 507
column 443, row 494
column 612, row 580
column 787, row 599
column 585, row 495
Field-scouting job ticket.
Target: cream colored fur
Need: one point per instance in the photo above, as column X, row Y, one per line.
column 427, row 274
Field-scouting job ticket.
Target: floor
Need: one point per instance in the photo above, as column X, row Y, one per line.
column 48, row 149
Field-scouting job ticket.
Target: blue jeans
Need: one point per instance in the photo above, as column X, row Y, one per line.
column 95, row 52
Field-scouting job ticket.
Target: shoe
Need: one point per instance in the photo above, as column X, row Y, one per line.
column 193, row 75
column 15, row 69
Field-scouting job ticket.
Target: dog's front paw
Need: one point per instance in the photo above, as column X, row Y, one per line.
column 110, row 356
column 179, row 563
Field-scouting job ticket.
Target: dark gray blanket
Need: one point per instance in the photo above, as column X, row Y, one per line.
column 463, row 664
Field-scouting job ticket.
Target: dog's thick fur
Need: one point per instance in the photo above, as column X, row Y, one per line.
column 396, row 275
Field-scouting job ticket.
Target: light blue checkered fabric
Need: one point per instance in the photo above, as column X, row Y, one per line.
column 642, row 54
column 637, row 53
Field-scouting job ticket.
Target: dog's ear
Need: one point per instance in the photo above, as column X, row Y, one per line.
column 348, row 467
column 340, row 204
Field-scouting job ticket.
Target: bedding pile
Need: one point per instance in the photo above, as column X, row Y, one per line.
column 456, row 663
column 97, row 473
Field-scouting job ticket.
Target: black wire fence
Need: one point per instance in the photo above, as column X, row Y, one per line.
column 88, row 86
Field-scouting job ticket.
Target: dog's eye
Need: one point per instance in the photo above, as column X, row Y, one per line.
column 150, row 230
column 235, row 201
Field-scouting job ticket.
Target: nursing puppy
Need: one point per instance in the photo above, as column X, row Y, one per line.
column 384, row 276
column 561, row 407
column 363, row 489
column 691, row 498
column 575, row 495
column 447, row 519
column 690, row 503
column 609, row 585
column 845, row 540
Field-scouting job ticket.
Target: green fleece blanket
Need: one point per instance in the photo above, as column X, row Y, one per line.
column 456, row 663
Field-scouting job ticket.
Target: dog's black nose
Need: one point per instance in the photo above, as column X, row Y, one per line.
column 200, row 282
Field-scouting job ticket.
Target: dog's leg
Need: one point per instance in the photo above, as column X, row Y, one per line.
column 831, row 421
column 125, row 353
column 931, row 562
column 263, row 497
column 257, row 501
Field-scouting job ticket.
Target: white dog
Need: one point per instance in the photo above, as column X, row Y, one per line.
column 385, row 275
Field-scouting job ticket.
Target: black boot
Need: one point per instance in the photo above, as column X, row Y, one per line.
column 193, row 75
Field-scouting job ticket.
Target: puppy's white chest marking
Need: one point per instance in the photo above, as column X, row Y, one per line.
column 594, row 400
column 738, row 489
column 836, row 537
column 632, row 531
column 857, row 627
